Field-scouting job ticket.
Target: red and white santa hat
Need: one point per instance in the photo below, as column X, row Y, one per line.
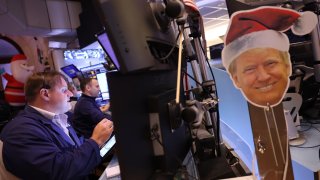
column 192, row 5
column 18, row 57
column 263, row 27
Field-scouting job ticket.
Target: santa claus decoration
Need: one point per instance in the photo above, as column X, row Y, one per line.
column 14, row 90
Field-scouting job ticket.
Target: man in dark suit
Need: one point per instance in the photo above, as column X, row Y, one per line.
column 87, row 113
column 39, row 142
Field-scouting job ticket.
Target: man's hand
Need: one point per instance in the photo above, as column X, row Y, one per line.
column 102, row 131
column 105, row 108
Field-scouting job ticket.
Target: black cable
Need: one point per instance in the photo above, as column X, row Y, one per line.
column 216, row 93
column 197, row 82
column 307, row 147
column 156, row 136
column 211, row 71
column 309, row 127
column 217, row 134
column 315, row 128
column 172, row 49
column 207, row 60
column 313, row 121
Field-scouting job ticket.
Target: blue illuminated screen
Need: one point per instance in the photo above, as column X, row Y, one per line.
column 106, row 45
column 78, row 54
column 71, row 70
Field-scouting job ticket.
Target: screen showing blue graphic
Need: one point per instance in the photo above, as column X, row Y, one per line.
column 71, row 71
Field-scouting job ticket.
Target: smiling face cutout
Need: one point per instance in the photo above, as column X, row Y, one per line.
column 262, row 75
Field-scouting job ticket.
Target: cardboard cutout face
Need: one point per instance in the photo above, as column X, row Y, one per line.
column 262, row 75
column 257, row 59
column 256, row 51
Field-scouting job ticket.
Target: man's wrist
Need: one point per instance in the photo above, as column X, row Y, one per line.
column 99, row 143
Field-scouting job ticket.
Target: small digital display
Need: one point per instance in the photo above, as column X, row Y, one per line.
column 102, row 80
column 107, row 146
column 105, row 95
column 71, row 70
column 106, row 45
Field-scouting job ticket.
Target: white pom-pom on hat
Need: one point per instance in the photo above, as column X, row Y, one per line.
column 305, row 23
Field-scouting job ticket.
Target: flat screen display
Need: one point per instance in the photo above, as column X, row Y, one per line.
column 105, row 96
column 106, row 45
column 71, row 70
column 102, row 80
column 107, row 146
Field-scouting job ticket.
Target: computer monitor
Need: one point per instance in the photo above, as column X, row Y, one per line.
column 137, row 35
column 71, row 71
column 102, row 80
column 106, row 46
column 107, row 147
column 137, row 115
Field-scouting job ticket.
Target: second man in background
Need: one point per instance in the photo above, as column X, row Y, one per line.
column 87, row 113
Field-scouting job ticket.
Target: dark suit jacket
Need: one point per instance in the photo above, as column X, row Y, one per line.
column 35, row 148
column 87, row 115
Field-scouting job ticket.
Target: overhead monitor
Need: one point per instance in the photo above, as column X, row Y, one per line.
column 138, row 38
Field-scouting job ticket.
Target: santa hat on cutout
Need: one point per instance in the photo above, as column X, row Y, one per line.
column 192, row 5
column 262, row 28
column 18, row 57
